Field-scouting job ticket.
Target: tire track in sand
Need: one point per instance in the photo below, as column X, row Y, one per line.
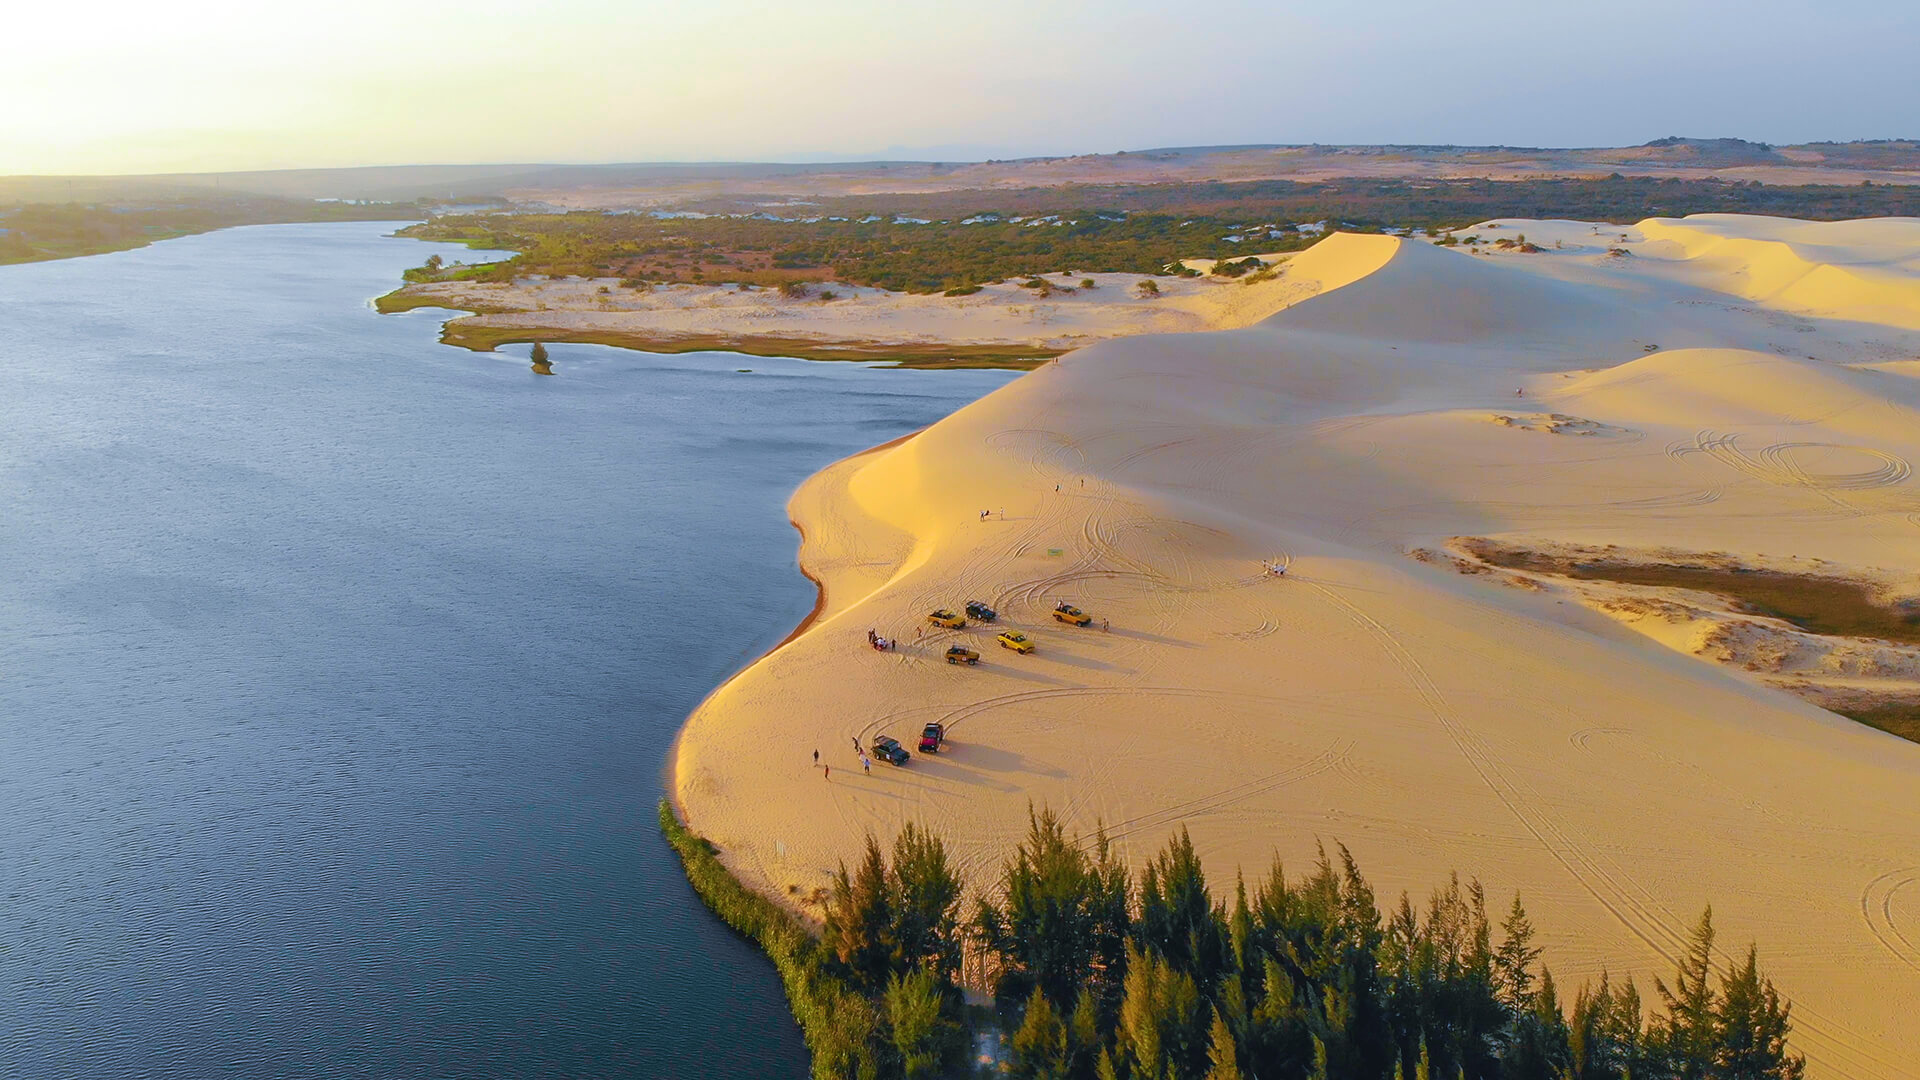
column 1641, row 915
column 1876, row 906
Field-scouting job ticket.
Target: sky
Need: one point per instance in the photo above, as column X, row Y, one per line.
column 207, row 85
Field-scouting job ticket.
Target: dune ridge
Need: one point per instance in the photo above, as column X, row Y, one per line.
column 1430, row 714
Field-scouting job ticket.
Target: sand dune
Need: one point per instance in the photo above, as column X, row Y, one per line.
column 1621, row 766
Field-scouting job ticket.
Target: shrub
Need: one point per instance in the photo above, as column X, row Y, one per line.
column 841, row 1026
column 1148, row 289
column 794, row 290
column 1232, row 268
column 962, row 290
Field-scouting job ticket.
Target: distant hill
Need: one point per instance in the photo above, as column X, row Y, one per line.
column 634, row 185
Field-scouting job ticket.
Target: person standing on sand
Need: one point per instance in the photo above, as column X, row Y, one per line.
column 1106, row 626
column 827, row 774
column 816, row 757
column 866, row 766
column 856, row 744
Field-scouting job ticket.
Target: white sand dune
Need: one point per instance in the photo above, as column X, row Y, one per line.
column 1614, row 771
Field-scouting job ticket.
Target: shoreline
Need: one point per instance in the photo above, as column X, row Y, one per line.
column 461, row 333
column 672, row 796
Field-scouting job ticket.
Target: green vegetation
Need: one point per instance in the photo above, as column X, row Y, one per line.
column 839, row 1023
column 1102, row 976
column 482, row 338
column 1820, row 605
column 944, row 241
column 40, row 231
column 1900, row 718
column 904, row 257
column 1233, row 268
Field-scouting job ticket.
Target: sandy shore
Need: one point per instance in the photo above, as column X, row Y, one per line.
column 1721, row 390
column 1000, row 322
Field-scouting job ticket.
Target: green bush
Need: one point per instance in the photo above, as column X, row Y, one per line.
column 841, row 1026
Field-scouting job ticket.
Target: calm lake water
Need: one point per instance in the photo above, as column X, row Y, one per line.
column 338, row 669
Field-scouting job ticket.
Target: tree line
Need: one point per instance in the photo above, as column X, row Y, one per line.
column 1102, row 974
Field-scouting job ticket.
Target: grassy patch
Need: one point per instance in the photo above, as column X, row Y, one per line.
column 485, row 338
column 1900, row 718
column 839, row 1023
column 1820, row 605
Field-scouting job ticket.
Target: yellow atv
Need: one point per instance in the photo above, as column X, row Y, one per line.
column 948, row 619
column 1015, row 640
column 1072, row 616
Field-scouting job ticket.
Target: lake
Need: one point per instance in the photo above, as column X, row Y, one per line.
column 338, row 670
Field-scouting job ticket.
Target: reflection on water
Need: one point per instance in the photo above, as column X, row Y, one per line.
column 284, row 794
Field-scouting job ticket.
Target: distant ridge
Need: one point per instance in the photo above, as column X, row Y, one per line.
column 1892, row 161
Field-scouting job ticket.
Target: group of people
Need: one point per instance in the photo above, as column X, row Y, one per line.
column 866, row 763
column 874, row 639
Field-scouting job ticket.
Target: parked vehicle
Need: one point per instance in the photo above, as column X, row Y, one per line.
column 1015, row 640
column 980, row 611
column 948, row 619
column 1071, row 615
column 888, row 749
column 960, row 654
column 932, row 738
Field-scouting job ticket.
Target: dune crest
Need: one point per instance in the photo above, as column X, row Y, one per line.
column 1620, row 767
column 1868, row 271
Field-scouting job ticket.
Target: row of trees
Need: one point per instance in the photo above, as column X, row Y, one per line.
column 1104, row 975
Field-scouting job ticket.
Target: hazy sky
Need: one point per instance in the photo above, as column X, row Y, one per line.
column 196, row 85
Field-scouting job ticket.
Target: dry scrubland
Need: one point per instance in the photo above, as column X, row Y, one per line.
column 1735, row 392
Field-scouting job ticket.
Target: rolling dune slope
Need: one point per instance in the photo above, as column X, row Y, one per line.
column 1432, row 713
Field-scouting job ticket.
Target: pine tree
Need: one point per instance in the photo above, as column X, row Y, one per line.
column 859, row 918
column 1162, row 1033
column 925, row 898
column 1750, row 1028
column 1041, row 929
column 921, row 1037
column 539, row 353
column 1223, row 1061
column 1513, row 961
column 1279, row 1041
column 1085, row 1042
column 1684, row 1038
column 1040, row 1046
column 1177, row 916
